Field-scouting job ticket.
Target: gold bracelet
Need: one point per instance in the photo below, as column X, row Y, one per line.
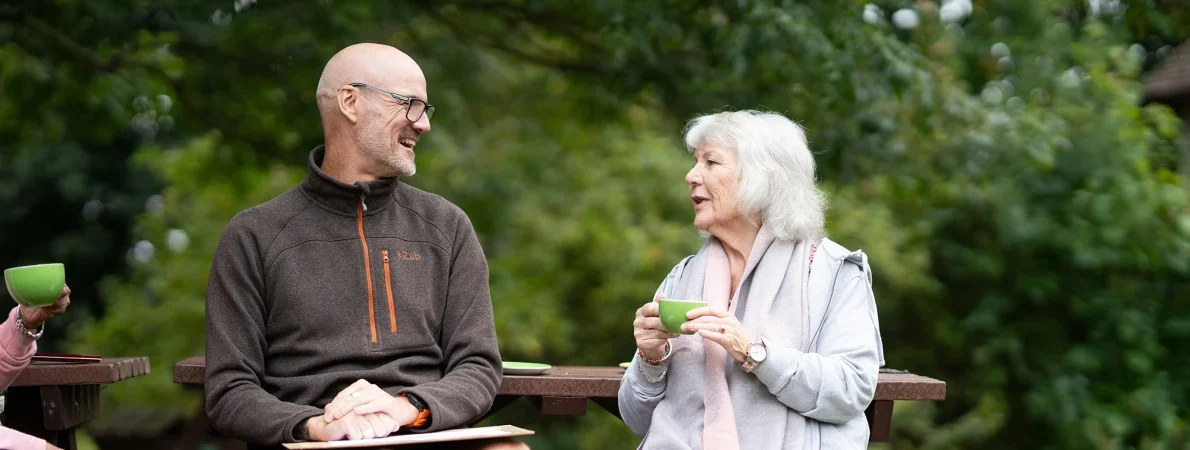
column 654, row 362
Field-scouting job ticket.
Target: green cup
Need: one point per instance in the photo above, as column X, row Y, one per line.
column 36, row 286
column 673, row 313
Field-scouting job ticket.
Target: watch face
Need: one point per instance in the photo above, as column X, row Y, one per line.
column 757, row 352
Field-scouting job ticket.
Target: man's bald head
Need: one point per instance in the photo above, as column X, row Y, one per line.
column 369, row 133
column 378, row 65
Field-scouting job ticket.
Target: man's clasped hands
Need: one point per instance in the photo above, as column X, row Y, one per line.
column 362, row 411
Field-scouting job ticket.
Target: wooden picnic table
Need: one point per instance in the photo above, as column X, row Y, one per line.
column 49, row 400
column 564, row 390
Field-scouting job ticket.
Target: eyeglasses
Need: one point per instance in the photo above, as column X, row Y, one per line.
column 416, row 106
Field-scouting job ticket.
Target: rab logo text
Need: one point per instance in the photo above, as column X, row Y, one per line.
column 408, row 256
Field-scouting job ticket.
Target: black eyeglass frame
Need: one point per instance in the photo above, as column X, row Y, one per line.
column 427, row 109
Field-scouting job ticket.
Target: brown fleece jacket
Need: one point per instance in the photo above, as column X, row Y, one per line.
column 330, row 283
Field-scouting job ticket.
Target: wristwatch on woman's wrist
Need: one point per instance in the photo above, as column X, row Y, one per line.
column 757, row 353
column 25, row 329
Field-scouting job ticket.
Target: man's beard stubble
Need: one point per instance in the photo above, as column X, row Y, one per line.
column 376, row 146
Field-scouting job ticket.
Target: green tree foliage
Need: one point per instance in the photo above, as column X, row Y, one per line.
column 68, row 193
column 1030, row 235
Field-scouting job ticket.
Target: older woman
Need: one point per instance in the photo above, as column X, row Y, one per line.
column 786, row 353
column 18, row 343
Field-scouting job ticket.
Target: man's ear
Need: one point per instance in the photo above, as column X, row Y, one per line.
column 348, row 101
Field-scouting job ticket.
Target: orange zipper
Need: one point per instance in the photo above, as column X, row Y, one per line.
column 367, row 266
column 388, row 289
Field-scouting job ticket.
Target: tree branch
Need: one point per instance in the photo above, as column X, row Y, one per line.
column 550, row 22
column 484, row 40
column 68, row 45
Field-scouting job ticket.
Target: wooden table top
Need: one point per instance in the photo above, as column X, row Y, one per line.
column 107, row 371
column 596, row 382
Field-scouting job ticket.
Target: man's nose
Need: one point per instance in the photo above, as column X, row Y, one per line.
column 423, row 124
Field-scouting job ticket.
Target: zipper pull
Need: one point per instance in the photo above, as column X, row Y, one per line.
column 385, row 254
column 362, row 202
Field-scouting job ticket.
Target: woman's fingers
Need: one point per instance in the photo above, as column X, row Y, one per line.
column 657, row 337
column 649, row 323
column 694, row 327
column 648, row 310
column 642, row 334
column 716, row 337
column 59, row 307
column 705, row 311
column 650, row 334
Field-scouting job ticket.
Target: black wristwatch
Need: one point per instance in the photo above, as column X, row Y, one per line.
column 420, row 405
column 417, row 402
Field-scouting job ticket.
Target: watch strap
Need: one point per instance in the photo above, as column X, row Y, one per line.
column 423, row 410
column 749, row 364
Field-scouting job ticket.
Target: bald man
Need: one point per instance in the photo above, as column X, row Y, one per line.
column 354, row 305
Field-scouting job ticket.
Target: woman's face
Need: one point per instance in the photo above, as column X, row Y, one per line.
column 713, row 183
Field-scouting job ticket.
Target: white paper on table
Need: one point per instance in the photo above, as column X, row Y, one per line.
column 439, row 436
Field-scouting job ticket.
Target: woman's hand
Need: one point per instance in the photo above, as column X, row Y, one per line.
column 651, row 335
column 34, row 317
column 721, row 328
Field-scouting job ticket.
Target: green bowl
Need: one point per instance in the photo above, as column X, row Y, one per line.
column 36, row 286
column 673, row 313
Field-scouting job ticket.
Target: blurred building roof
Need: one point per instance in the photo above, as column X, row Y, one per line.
column 1170, row 81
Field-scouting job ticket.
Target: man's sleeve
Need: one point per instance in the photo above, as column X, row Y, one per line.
column 468, row 340
column 235, row 340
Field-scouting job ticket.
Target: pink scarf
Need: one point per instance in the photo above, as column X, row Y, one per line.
column 719, row 429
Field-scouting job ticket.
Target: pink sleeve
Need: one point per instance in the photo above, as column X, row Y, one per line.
column 15, row 440
column 16, row 349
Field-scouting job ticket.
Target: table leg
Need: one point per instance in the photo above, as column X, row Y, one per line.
column 879, row 415
column 500, row 402
column 52, row 412
column 609, row 404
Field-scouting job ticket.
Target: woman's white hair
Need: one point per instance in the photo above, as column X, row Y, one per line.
column 776, row 175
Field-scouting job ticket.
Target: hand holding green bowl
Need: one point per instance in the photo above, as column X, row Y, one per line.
column 36, row 286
